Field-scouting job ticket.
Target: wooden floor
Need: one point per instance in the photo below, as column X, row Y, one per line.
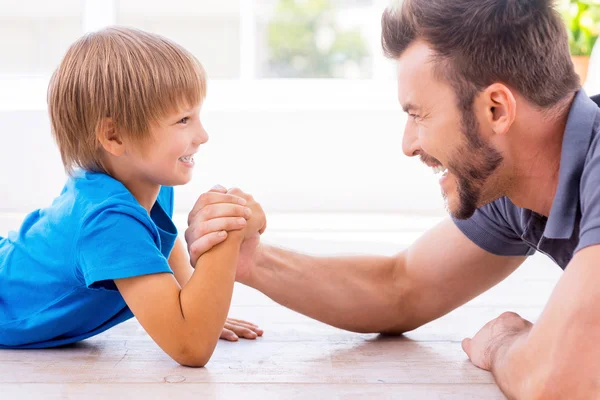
column 297, row 358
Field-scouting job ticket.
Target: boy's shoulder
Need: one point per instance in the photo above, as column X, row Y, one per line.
column 93, row 191
column 94, row 188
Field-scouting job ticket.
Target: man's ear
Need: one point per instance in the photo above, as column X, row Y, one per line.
column 109, row 137
column 501, row 108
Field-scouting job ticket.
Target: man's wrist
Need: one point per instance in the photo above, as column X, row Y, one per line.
column 504, row 345
column 254, row 272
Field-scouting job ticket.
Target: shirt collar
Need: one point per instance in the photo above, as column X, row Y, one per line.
column 576, row 142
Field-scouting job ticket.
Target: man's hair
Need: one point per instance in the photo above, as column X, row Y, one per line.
column 520, row 43
column 132, row 77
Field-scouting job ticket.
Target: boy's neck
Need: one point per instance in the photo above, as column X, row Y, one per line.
column 144, row 192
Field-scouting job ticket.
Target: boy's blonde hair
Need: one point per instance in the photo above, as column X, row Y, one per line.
column 132, row 77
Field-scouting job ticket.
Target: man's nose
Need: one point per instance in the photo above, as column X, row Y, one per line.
column 410, row 141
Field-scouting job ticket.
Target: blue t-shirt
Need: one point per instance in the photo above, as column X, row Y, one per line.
column 57, row 272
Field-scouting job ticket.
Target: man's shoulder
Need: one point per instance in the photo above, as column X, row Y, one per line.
column 505, row 212
column 496, row 227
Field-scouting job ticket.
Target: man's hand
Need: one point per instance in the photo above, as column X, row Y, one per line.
column 483, row 348
column 203, row 231
column 235, row 328
column 215, row 213
column 257, row 221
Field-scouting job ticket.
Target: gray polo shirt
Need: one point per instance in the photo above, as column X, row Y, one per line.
column 574, row 222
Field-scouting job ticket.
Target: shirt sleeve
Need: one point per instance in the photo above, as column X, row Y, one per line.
column 489, row 229
column 166, row 199
column 119, row 241
column 589, row 229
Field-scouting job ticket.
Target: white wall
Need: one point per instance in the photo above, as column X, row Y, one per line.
column 341, row 153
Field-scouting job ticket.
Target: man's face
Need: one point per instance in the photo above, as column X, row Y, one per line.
column 448, row 139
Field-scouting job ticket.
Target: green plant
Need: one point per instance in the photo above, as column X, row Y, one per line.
column 582, row 18
column 304, row 41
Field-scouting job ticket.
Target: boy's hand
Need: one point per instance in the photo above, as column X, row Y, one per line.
column 235, row 328
column 215, row 213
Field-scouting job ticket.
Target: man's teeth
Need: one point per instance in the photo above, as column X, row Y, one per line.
column 439, row 169
column 186, row 158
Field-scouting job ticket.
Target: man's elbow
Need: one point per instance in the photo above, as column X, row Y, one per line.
column 569, row 384
column 402, row 317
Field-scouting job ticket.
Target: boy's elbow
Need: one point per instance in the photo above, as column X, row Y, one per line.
column 193, row 357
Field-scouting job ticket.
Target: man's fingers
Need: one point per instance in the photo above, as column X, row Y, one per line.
column 263, row 229
column 204, row 244
column 466, row 346
column 218, row 189
column 229, row 335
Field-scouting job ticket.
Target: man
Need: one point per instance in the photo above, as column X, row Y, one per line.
column 496, row 107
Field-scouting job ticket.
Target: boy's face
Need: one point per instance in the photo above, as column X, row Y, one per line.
column 167, row 159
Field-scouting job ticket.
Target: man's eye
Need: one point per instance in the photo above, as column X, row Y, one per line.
column 413, row 116
column 184, row 120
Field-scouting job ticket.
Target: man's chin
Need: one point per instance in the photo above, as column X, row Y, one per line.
column 457, row 209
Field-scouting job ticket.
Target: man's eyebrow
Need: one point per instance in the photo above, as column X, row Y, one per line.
column 408, row 107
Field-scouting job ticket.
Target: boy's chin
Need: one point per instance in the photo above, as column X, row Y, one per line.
column 177, row 181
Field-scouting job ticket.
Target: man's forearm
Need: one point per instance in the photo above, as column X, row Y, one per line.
column 355, row 293
column 510, row 366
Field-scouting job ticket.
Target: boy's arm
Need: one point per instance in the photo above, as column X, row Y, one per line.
column 180, row 263
column 182, row 269
column 186, row 323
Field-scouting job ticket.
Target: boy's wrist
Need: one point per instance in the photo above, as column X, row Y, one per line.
column 237, row 236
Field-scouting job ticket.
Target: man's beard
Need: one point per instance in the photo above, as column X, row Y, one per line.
column 478, row 162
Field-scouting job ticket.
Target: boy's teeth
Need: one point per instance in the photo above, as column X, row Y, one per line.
column 186, row 159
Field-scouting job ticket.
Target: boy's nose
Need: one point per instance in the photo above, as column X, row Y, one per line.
column 201, row 136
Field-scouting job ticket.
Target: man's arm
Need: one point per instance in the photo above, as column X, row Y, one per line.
column 557, row 358
column 438, row 273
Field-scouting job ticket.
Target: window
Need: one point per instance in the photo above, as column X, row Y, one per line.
column 210, row 29
column 313, row 39
column 299, row 94
column 36, row 33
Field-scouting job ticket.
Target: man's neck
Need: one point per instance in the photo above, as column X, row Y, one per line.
column 537, row 153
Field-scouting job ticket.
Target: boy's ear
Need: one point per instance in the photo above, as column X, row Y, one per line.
column 109, row 137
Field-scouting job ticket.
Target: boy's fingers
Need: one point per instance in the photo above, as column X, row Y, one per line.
column 209, row 198
column 240, row 328
column 241, row 321
column 228, row 334
column 205, row 243
column 243, row 332
column 223, row 210
column 193, row 233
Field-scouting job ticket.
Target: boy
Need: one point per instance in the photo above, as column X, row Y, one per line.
column 124, row 109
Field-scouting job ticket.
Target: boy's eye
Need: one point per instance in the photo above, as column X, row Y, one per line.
column 183, row 120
